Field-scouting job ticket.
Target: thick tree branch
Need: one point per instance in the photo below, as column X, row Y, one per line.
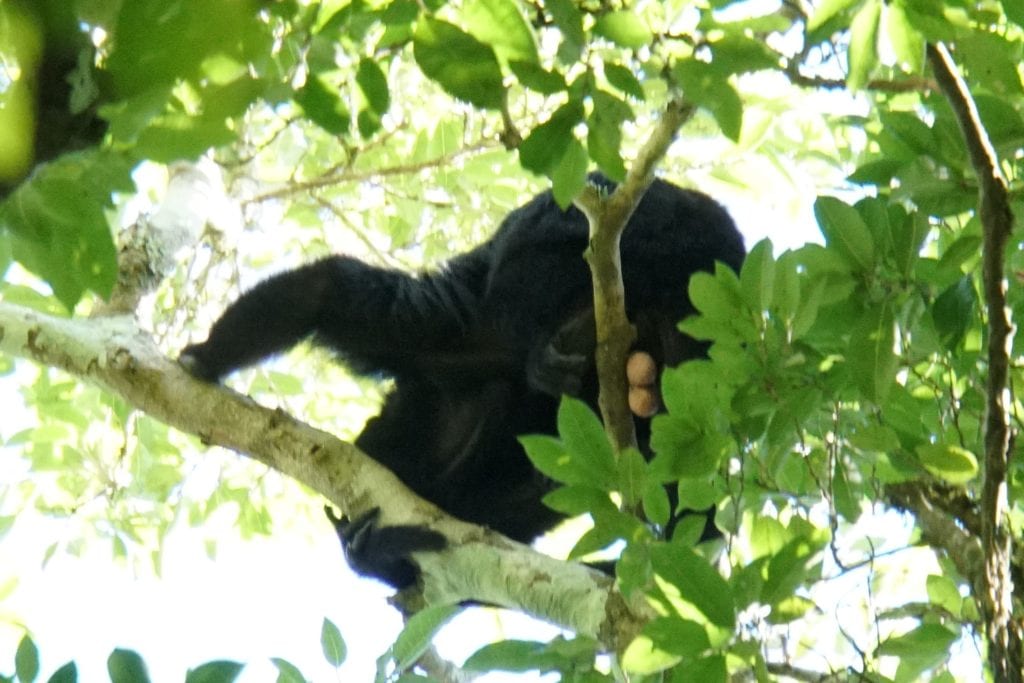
column 1005, row 636
column 607, row 216
column 480, row 565
column 940, row 530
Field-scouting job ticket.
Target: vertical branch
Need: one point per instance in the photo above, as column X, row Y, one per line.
column 997, row 222
column 607, row 216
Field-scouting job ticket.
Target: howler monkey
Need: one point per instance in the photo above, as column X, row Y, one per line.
column 480, row 351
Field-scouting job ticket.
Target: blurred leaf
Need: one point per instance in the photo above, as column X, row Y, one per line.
column 872, row 355
column 757, row 277
column 126, row 666
column 953, row 312
column 500, row 24
column 419, row 631
column 624, row 28
column 570, row 174
column 569, row 20
column 214, row 672
column 696, row 581
column 509, row 655
column 845, row 230
column 332, row 644
column 374, row 86
column 828, row 9
column 59, row 226
column 944, row 592
column 26, row 660
column 156, row 43
column 921, row 649
column 907, row 42
column 787, row 569
column 287, row 672
column 863, row 52
column 65, row 674
column 704, row 85
column 537, row 78
column 992, row 61
column 623, row 79
column 946, row 461
column 323, row 106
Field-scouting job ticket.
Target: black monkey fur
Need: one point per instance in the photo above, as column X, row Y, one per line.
column 480, row 352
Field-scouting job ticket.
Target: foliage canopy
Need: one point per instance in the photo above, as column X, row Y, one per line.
column 853, row 422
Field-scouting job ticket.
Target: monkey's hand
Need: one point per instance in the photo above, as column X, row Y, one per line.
column 383, row 553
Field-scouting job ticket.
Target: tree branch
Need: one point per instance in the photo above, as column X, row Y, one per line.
column 1005, row 636
column 607, row 216
column 479, row 565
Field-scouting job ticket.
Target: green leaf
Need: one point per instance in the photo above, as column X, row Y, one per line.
column 159, row 43
column 704, row 85
column 508, row 655
column 871, row 353
column 632, row 476
column 374, row 85
column 26, row 660
column 66, row 674
column 953, row 312
column 787, row 570
column 214, row 672
column 625, row 28
column 546, row 145
column 923, row 648
column 826, row 10
column 610, row 526
column 550, row 456
column 1014, row 11
column 537, row 78
column 126, row 666
column 790, row 609
column 461, row 64
column 737, row 54
column 570, row 174
column 954, row 464
column 696, row 583
column 569, row 20
column 421, row 628
column 575, row 500
column 684, row 450
column 287, row 672
column 845, row 231
column 332, row 644
column 706, row 669
column 906, row 40
column 585, row 439
column 944, row 592
column 757, row 276
column 909, row 129
column 323, row 107
column 863, row 54
column 59, row 227
column 678, row 636
column 877, row 438
column 604, row 134
column 656, row 504
column 500, row 24
column 623, row 79
column 991, row 61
